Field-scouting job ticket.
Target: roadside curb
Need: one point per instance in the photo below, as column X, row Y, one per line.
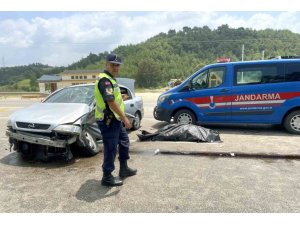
column 232, row 154
column 205, row 149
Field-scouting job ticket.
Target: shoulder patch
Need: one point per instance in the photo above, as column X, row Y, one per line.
column 109, row 91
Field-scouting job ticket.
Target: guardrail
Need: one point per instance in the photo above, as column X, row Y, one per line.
column 4, row 95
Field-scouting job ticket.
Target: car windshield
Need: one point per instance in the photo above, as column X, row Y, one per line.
column 75, row 94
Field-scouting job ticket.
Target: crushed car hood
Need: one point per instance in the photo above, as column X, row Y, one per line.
column 50, row 113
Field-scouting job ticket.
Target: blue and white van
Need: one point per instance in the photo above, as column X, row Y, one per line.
column 247, row 92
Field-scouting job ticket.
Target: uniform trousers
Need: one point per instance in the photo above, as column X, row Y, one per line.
column 115, row 138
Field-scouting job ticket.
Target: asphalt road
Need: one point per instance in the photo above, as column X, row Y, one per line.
column 165, row 182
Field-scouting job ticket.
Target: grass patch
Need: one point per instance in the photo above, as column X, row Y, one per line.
column 24, row 83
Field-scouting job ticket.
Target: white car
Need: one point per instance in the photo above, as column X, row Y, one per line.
column 64, row 121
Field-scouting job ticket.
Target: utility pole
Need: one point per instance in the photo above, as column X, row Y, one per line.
column 263, row 55
column 243, row 48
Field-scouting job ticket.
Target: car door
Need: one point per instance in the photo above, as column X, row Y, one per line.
column 128, row 99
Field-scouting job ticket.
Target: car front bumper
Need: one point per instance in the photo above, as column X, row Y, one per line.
column 40, row 140
column 162, row 114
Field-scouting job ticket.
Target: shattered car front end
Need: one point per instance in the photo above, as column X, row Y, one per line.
column 54, row 127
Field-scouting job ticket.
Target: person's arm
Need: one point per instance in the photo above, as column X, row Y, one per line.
column 116, row 108
column 125, row 97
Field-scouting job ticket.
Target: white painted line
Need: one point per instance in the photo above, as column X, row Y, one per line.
column 11, row 107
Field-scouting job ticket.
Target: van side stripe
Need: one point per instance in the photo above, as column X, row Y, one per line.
column 270, row 98
column 258, row 102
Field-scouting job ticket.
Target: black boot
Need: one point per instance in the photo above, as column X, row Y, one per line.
column 110, row 180
column 125, row 171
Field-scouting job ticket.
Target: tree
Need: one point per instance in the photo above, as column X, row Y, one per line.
column 33, row 82
column 148, row 74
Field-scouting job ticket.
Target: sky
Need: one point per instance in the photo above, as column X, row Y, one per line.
column 59, row 36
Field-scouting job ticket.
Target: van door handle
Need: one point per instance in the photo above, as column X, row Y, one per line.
column 131, row 105
column 224, row 90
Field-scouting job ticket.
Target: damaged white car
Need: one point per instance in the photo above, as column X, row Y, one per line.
column 64, row 121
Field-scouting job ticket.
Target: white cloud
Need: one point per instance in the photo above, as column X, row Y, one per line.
column 64, row 40
column 16, row 33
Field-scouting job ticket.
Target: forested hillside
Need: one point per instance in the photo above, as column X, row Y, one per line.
column 177, row 54
column 10, row 77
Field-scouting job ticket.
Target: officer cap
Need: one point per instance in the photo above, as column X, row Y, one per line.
column 113, row 58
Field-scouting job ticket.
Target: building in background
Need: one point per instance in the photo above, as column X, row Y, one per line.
column 50, row 83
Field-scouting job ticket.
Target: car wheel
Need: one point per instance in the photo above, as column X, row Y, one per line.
column 91, row 147
column 184, row 116
column 292, row 122
column 136, row 122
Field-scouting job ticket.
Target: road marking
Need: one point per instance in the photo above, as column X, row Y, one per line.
column 11, row 107
column 6, row 108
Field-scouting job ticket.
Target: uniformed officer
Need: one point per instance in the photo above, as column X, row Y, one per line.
column 111, row 119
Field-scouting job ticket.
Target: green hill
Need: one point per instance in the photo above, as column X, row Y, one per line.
column 11, row 78
column 177, row 54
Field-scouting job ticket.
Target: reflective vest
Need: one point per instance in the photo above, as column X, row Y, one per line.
column 100, row 103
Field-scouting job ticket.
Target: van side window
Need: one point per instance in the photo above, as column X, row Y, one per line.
column 209, row 78
column 292, row 72
column 259, row 74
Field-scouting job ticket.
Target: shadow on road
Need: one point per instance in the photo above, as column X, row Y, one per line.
column 159, row 125
column 248, row 129
column 15, row 159
column 92, row 190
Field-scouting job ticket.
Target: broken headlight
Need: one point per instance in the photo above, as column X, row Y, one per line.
column 70, row 129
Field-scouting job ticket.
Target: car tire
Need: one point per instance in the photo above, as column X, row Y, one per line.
column 184, row 116
column 136, row 124
column 91, row 147
column 154, row 113
column 292, row 122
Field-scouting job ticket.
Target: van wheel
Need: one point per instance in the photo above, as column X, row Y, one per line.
column 292, row 122
column 184, row 116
